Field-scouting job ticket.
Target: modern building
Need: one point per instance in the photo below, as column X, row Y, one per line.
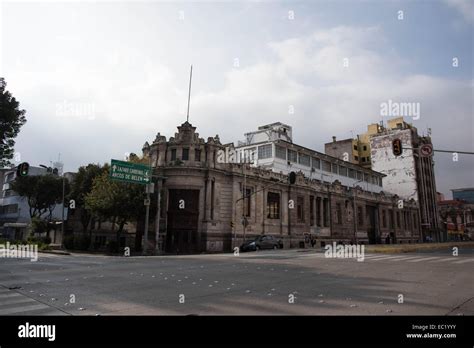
column 464, row 194
column 212, row 198
column 350, row 150
column 273, row 148
column 14, row 209
column 410, row 175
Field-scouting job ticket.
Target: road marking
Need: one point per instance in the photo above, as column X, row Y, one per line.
column 425, row 259
column 7, row 311
column 17, row 300
column 384, row 258
column 405, row 258
column 378, row 257
column 464, row 261
column 9, row 294
column 452, row 258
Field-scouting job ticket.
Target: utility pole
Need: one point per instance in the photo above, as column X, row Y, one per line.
column 149, row 187
column 62, row 206
column 157, row 218
column 189, row 92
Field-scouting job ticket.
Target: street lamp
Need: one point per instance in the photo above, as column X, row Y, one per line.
column 56, row 172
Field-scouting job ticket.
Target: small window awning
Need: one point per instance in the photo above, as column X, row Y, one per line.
column 15, row 224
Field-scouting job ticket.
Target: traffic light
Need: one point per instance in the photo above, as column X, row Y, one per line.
column 22, row 169
column 397, row 147
column 292, row 178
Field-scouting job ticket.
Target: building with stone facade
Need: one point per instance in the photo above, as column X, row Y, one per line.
column 212, row 202
column 410, row 175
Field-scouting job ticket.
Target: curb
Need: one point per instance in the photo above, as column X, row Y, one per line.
column 57, row 252
column 423, row 247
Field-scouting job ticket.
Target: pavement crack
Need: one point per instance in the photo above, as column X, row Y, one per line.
column 459, row 306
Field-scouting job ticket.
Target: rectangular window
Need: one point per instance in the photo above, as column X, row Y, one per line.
column 373, row 180
column 363, row 159
column 390, row 219
column 342, row 171
column 173, row 154
column 384, row 219
column 318, row 211
column 365, row 148
column 197, row 155
column 185, row 156
column 212, row 199
column 338, row 213
column 366, row 177
column 399, row 225
column 356, row 158
column 316, row 163
column 355, row 147
column 359, row 175
column 280, row 152
column 10, row 209
column 292, row 156
column 304, row 160
column 300, row 208
column 334, row 168
column 273, row 205
column 360, row 217
column 265, row 151
column 311, row 210
column 415, row 221
column 326, row 212
column 247, row 201
column 352, row 173
column 327, row 166
column 247, row 155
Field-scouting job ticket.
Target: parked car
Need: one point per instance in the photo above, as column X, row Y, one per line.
column 262, row 242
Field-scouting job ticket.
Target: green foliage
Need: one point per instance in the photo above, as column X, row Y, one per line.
column 11, row 120
column 111, row 199
column 42, row 192
column 82, row 185
column 38, row 240
column 38, row 225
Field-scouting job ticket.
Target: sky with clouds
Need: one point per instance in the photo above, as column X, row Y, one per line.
column 99, row 78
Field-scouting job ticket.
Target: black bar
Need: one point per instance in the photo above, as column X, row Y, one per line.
column 240, row 330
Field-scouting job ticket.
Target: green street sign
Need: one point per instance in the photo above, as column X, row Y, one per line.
column 130, row 172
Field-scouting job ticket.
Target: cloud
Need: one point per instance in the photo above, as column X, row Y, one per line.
column 464, row 7
column 135, row 96
column 307, row 73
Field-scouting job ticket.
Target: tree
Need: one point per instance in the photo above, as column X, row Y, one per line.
column 115, row 201
column 81, row 186
column 42, row 192
column 11, row 120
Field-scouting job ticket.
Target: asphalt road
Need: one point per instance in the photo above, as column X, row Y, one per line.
column 281, row 282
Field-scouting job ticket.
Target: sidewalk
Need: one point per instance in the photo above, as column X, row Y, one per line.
column 406, row 248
